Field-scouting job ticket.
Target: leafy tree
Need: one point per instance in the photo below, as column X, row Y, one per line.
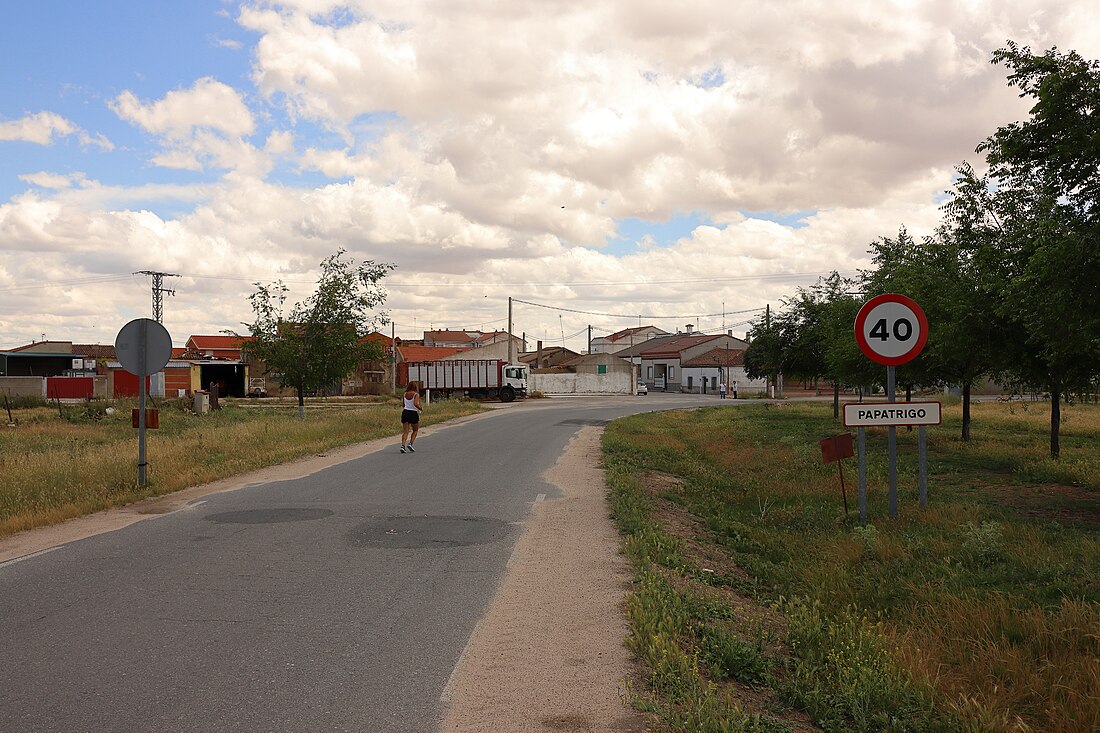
column 1036, row 220
column 943, row 274
column 811, row 338
column 321, row 340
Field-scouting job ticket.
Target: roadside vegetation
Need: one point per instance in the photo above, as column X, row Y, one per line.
column 1008, row 278
column 65, row 461
column 759, row 606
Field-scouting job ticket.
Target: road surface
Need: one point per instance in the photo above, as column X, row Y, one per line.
column 336, row 601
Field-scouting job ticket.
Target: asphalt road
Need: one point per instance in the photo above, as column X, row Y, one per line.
column 336, row 602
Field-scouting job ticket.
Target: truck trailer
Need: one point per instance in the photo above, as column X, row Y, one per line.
column 471, row 377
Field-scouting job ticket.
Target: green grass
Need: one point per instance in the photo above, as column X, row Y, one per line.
column 58, row 466
column 978, row 614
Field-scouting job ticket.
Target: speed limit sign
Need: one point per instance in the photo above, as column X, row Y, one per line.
column 891, row 329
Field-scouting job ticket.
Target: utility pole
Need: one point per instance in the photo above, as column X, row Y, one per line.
column 589, row 338
column 768, row 330
column 158, row 291
column 509, row 329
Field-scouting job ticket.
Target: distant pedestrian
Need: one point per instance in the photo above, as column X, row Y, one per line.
column 410, row 417
column 734, row 390
column 722, row 390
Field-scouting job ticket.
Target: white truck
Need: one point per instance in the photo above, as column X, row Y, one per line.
column 472, row 377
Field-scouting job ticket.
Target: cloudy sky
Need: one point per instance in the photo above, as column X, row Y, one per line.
column 685, row 162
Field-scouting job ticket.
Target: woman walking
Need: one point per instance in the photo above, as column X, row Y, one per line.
column 410, row 417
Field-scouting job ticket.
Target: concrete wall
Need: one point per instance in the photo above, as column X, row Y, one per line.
column 610, row 383
column 36, row 386
column 24, row 386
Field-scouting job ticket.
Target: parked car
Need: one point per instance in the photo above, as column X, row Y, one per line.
column 642, row 389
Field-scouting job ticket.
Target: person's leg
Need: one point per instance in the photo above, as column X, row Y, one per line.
column 404, row 434
column 415, row 430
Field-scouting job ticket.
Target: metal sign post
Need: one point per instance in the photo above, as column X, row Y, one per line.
column 892, row 447
column 143, row 347
column 891, row 329
column 861, row 443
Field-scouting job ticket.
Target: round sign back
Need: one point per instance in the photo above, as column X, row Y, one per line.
column 891, row 329
column 143, row 347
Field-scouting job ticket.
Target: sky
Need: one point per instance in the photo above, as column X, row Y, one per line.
column 604, row 163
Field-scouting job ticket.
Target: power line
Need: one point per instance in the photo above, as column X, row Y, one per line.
column 158, row 291
column 632, row 315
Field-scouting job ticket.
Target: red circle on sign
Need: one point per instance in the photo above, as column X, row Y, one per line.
column 875, row 352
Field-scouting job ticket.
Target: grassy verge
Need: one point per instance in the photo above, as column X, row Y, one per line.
column 758, row 606
column 62, row 463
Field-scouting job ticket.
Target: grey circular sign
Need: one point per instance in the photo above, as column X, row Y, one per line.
column 143, row 347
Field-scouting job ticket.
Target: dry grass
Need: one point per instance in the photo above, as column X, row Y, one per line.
column 55, row 469
column 980, row 614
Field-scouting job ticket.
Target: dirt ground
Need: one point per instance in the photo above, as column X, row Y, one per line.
column 548, row 656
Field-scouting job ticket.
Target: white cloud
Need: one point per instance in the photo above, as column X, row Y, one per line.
column 42, row 128
column 207, row 104
column 37, row 128
column 200, row 126
column 492, row 149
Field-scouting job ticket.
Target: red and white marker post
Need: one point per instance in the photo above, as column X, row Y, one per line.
column 891, row 329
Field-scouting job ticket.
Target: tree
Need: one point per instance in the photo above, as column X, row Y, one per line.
column 321, row 340
column 811, row 338
column 1036, row 220
column 943, row 274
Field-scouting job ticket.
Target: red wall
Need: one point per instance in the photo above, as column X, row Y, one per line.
column 72, row 388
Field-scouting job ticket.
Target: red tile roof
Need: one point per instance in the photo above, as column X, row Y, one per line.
column 377, row 337
column 626, row 332
column 717, row 357
column 218, row 342
column 672, row 349
column 426, row 353
column 456, row 336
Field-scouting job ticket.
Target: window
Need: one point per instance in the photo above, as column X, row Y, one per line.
column 601, row 369
column 671, row 372
column 689, row 382
column 649, row 372
column 714, row 382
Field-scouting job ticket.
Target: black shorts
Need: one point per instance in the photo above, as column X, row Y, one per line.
column 410, row 416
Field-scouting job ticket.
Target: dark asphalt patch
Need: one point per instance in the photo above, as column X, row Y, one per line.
column 582, row 421
column 268, row 516
column 417, row 533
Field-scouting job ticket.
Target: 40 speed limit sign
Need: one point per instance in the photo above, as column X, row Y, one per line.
column 891, row 329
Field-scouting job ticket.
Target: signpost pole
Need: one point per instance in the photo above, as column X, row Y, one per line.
column 892, row 446
column 922, row 452
column 143, row 347
column 861, row 442
column 143, row 340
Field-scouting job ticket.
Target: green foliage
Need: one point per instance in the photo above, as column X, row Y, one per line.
column 731, row 658
column 321, row 340
column 982, row 543
column 842, row 673
column 929, row 622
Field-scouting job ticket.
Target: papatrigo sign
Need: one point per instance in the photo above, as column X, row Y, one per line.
column 865, row 415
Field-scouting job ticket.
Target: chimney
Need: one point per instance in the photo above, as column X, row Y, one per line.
column 729, row 332
column 690, row 327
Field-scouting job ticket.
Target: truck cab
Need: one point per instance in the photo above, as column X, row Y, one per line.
column 514, row 377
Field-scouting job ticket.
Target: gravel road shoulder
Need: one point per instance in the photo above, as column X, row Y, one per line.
column 549, row 654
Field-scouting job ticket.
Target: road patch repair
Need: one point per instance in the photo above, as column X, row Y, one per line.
column 549, row 654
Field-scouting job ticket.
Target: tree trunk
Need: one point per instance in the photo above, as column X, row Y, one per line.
column 301, row 401
column 836, row 400
column 966, row 412
column 1055, row 418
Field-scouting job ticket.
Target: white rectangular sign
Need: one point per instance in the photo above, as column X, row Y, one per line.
column 870, row 414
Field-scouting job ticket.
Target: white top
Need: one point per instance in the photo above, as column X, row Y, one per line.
column 410, row 404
